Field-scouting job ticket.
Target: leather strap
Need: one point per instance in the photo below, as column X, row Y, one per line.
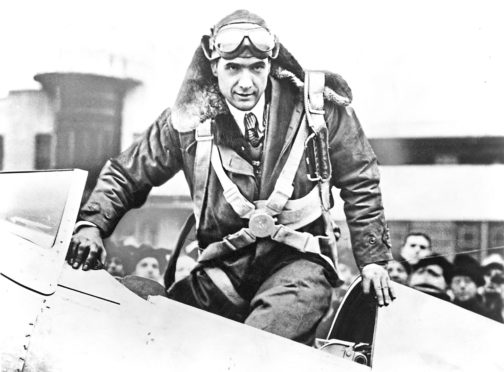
column 204, row 139
column 222, row 281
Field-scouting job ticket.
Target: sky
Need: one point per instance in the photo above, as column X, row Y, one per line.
column 431, row 67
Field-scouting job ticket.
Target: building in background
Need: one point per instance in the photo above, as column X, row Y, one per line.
column 74, row 121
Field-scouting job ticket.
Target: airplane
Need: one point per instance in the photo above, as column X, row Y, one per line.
column 55, row 318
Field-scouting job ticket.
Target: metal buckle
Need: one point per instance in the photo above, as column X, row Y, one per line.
column 261, row 224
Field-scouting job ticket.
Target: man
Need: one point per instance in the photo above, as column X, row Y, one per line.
column 399, row 271
column 431, row 275
column 417, row 245
column 263, row 226
column 149, row 262
column 467, row 278
column 493, row 271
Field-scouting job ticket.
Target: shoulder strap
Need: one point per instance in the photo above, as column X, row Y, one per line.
column 314, row 99
column 314, row 108
column 204, row 141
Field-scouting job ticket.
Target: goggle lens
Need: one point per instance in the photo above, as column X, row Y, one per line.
column 229, row 39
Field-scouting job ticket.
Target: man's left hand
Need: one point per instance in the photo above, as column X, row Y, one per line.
column 377, row 276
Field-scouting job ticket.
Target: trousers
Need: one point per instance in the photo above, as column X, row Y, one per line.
column 289, row 303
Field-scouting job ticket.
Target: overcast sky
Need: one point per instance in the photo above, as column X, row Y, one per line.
column 431, row 64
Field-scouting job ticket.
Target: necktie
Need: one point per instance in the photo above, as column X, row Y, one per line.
column 252, row 132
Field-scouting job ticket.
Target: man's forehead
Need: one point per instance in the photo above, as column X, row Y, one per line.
column 416, row 239
column 432, row 267
column 244, row 60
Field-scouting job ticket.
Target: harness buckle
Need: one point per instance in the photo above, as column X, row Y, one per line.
column 261, row 224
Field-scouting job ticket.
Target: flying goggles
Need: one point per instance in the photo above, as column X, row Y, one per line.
column 232, row 40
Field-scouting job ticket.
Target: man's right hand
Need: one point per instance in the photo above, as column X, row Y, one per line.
column 86, row 249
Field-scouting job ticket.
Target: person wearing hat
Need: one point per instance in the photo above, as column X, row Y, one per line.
column 492, row 291
column 431, row 275
column 149, row 262
column 260, row 167
column 467, row 278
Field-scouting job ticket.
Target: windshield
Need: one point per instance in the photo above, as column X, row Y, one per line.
column 32, row 204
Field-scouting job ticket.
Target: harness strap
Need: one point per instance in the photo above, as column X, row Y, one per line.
column 314, row 107
column 301, row 241
column 232, row 194
column 298, row 212
column 283, row 188
column 314, row 99
column 204, row 140
column 224, row 284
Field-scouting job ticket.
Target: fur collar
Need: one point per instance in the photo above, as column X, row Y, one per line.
column 199, row 98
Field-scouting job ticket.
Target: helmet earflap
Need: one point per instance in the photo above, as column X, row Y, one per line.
column 205, row 45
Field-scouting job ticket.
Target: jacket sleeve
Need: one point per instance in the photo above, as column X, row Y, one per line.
column 126, row 180
column 355, row 173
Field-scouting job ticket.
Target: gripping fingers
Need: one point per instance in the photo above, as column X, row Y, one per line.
column 82, row 253
column 379, row 290
column 72, row 250
column 95, row 258
column 385, row 285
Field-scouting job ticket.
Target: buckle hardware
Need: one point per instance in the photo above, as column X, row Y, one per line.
column 261, row 224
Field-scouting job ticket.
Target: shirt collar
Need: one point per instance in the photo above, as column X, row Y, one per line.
column 257, row 110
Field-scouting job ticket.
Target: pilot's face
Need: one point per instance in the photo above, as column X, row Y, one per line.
column 242, row 80
column 148, row 267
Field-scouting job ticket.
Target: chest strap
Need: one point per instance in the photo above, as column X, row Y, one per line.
column 276, row 218
column 283, row 188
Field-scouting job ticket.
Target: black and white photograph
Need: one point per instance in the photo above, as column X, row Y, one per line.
column 251, row 186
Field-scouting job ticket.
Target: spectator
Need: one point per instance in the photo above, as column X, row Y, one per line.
column 399, row 271
column 431, row 275
column 115, row 266
column 492, row 292
column 467, row 277
column 149, row 263
column 416, row 245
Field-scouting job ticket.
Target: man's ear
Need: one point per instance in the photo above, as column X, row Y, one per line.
column 213, row 66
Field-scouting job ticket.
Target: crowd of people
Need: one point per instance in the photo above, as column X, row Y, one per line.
column 464, row 281
column 125, row 260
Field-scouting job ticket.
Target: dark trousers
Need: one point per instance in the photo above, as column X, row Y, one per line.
column 290, row 302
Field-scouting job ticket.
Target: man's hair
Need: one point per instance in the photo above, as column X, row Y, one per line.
column 418, row 233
